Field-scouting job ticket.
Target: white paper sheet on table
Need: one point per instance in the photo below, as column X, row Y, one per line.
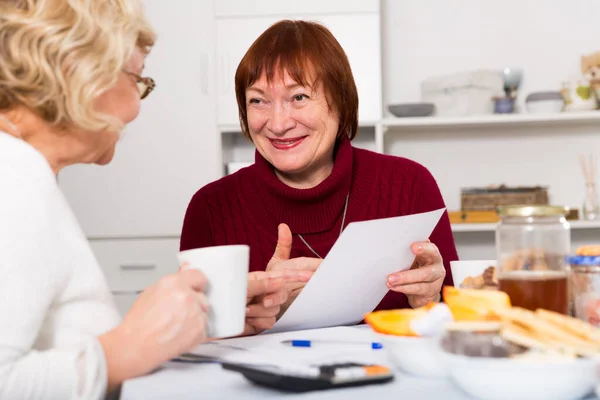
column 332, row 345
column 351, row 281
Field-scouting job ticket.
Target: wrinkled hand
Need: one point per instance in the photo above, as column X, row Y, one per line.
column 266, row 294
column 422, row 283
column 281, row 262
column 167, row 319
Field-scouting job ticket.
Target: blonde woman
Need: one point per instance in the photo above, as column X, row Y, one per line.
column 69, row 81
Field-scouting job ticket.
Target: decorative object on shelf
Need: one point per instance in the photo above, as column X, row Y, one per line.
column 464, row 93
column 512, row 81
column 488, row 199
column 412, row 109
column 504, row 105
column 578, row 95
column 544, row 102
column 591, row 209
column 590, row 68
column 473, row 217
column 490, row 217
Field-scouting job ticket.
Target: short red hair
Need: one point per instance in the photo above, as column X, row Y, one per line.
column 296, row 47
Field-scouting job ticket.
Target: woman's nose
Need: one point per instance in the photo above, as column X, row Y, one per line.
column 281, row 120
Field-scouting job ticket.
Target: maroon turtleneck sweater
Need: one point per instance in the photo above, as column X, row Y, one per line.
column 246, row 208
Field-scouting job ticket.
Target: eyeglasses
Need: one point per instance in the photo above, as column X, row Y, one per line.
column 145, row 85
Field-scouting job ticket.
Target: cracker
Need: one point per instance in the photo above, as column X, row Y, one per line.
column 543, row 328
column 575, row 326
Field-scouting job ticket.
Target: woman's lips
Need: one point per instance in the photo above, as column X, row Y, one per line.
column 287, row 144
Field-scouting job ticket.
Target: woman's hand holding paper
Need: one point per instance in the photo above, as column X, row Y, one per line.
column 422, row 283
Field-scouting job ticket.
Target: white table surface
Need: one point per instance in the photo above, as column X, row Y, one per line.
column 182, row 381
column 209, row 381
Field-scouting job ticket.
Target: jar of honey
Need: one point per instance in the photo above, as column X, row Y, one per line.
column 532, row 244
column 585, row 284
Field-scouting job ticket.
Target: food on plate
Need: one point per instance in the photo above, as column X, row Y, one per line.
column 524, row 334
column 486, row 325
column 427, row 321
column 474, row 304
column 478, row 339
column 550, row 332
column 396, row 322
column 488, row 280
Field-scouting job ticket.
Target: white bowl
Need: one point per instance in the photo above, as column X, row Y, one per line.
column 418, row 356
column 462, row 269
column 503, row 378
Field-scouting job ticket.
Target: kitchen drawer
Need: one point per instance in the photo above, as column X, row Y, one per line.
column 131, row 265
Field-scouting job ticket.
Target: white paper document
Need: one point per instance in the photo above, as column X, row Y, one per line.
column 351, row 280
column 330, row 345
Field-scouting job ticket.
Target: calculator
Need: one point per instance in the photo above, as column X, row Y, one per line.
column 309, row 378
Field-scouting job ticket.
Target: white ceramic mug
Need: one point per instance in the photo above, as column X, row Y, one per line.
column 226, row 270
column 462, row 269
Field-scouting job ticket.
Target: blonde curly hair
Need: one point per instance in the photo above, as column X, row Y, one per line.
column 58, row 56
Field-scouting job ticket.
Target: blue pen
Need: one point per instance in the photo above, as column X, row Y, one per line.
column 309, row 343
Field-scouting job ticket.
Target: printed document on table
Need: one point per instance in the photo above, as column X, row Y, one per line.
column 351, row 280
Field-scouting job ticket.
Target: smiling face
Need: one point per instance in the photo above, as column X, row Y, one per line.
column 293, row 128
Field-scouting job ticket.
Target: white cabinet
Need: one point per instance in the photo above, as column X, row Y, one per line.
column 360, row 37
column 172, row 148
column 358, row 33
column 131, row 265
column 234, row 37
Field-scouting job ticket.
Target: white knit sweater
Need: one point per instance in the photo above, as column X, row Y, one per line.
column 54, row 299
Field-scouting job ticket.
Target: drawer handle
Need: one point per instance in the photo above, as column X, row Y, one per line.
column 137, row 267
column 126, row 292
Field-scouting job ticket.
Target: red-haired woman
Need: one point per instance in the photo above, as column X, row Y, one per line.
column 298, row 104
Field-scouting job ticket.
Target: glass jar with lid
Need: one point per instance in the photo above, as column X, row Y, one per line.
column 532, row 245
column 585, row 283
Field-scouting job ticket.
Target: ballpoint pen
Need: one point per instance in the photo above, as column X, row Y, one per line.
column 310, row 343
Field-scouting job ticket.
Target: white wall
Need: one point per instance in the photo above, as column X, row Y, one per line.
column 429, row 37
column 422, row 38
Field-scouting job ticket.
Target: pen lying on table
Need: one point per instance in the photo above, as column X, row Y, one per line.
column 311, row 343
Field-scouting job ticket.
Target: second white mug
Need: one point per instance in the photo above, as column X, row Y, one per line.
column 226, row 270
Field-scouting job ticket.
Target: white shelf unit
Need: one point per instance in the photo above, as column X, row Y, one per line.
column 494, row 120
column 490, row 227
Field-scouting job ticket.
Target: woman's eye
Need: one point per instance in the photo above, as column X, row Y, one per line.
column 254, row 101
column 300, row 97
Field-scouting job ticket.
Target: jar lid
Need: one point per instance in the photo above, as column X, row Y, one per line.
column 584, row 260
column 532, row 211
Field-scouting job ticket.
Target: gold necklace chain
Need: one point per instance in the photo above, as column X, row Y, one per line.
column 341, row 228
